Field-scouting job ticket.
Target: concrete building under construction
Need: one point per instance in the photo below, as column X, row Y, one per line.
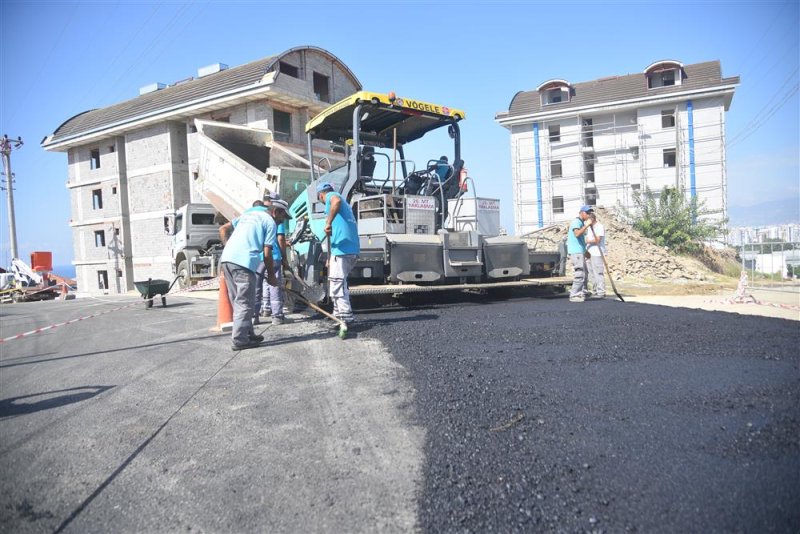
column 132, row 163
column 599, row 142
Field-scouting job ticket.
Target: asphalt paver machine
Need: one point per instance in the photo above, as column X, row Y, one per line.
column 420, row 223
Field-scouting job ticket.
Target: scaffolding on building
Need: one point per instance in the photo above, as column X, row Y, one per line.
column 593, row 162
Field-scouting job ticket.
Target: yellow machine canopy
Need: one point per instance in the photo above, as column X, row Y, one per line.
column 381, row 114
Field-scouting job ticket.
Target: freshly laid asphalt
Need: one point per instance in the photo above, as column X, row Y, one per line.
column 461, row 414
column 546, row 415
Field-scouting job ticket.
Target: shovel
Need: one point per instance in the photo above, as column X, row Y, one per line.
column 313, row 293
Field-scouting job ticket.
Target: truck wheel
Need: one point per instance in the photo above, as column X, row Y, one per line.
column 183, row 271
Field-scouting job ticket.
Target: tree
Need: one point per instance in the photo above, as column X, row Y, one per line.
column 671, row 221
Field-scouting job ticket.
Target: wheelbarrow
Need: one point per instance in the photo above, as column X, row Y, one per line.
column 151, row 288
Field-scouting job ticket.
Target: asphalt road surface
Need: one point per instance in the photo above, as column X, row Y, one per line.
column 546, row 415
column 527, row 414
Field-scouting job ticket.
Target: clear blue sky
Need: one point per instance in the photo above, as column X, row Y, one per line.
column 62, row 58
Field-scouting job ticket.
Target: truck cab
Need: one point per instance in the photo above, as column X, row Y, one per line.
column 196, row 245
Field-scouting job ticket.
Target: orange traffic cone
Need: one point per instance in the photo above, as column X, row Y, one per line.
column 224, row 309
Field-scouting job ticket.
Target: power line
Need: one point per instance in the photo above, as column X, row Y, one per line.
column 763, row 35
column 758, row 115
column 769, row 115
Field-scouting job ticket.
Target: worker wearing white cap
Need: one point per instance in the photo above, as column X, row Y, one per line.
column 596, row 247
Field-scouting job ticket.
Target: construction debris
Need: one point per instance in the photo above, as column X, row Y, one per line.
column 630, row 254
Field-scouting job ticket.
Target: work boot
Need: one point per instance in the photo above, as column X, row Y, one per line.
column 256, row 338
column 248, row 345
column 577, row 299
column 278, row 319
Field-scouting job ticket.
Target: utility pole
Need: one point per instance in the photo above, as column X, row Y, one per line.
column 6, row 146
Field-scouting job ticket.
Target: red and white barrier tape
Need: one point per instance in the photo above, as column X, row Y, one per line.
column 195, row 287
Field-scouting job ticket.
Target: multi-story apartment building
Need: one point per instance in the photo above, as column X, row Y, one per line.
column 132, row 163
column 599, row 142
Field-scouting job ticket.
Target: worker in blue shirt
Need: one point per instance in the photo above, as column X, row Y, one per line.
column 340, row 225
column 246, row 238
column 269, row 299
column 273, row 294
column 576, row 249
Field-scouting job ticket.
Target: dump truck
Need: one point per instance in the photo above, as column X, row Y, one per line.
column 421, row 224
column 237, row 165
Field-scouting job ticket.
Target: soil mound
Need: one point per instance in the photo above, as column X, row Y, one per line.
column 633, row 256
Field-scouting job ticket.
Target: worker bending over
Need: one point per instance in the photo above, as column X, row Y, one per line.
column 246, row 238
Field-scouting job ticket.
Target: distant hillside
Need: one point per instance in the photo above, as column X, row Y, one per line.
column 773, row 212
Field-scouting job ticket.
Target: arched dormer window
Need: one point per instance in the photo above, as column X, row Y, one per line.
column 664, row 73
column 554, row 92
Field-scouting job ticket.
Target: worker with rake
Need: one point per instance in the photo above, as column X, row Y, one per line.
column 343, row 244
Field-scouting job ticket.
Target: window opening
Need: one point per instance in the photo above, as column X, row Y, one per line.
column 321, row 87
column 558, row 204
column 591, row 196
column 588, row 168
column 669, row 157
column 555, row 96
column 555, row 133
column 102, row 279
column 113, row 189
column 587, row 133
column 664, row 78
column 97, row 199
column 555, row 169
column 99, row 238
column 282, row 125
column 291, row 70
column 668, row 118
column 94, row 159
